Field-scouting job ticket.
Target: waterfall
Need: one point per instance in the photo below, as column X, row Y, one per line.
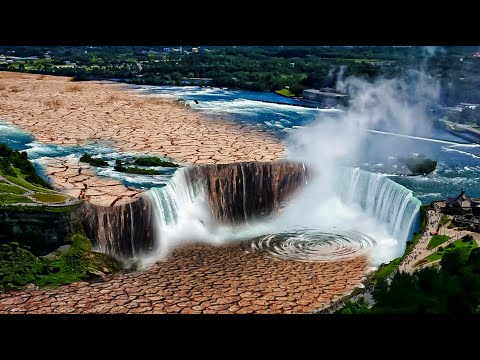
column 203, row 202
column 225, row 202
column 123, row 231
column 381, row 198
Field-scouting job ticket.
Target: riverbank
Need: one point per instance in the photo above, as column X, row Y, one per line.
column 58, row 111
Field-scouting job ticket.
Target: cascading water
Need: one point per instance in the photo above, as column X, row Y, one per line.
column 385, row 200
column 221, row 203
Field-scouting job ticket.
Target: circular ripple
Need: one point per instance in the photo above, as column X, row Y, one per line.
column 313, row 246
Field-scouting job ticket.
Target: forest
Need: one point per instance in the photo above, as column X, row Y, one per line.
column 261, row 68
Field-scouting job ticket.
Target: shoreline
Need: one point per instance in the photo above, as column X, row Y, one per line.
column 59, row 111
column 56, row 110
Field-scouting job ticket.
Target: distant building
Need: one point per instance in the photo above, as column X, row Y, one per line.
column 477, row 54
column 166, row 50
column 462, row 205
column 195, row 50
column 325, row 96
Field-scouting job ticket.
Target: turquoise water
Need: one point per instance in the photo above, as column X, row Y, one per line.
column 40, row 153
column 458, row 161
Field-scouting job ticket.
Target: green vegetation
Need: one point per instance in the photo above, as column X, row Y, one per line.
column 263, row 68
column 358, row 307
column 385, row 270
column 466, row 242
column 49, row 198
column 12, row 199
column 87, row 158
column 437, row 240
column 454, row 288
column 153, row 161
column 444, row 220
column 420, row 165
column 11, row 160
column 20, row 183
column 19, row 267
column 134, row 170
column 285, row 92
column 122, row 166
column 12, row 189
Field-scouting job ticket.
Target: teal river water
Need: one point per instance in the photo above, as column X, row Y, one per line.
column 458, row 161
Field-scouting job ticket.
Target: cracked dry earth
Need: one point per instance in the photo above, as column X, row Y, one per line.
column 80, row 181
column 56, row 110
column 197, row 278
column 202, row 279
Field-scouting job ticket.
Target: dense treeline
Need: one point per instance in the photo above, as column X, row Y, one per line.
column 452, row 288
column 258, row 68
column 10, row 159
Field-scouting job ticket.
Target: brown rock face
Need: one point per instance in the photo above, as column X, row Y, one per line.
column 239, row 192
column 121, row 231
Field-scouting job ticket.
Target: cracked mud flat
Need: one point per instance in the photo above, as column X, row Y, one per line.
column 56, row 110
column 196, row 279
column 201, row 279
column 80, row 181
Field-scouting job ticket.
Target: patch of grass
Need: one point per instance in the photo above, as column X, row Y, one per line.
column 19, row 267
column 135, row 170
column 11, row 189
column 437, row 240
column 437, row 255
column 444, row 220
column 385, row 270
column 119, row 166
column 12, row 199
column 49, row 198
column 285, row 92
column 22, row 182
column 467, row 243
column 36, row 208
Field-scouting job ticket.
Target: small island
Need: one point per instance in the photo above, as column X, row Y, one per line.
column 120, row 167
column 126, row 166
column 154, row 161
column 420, row 165
column 87, row 158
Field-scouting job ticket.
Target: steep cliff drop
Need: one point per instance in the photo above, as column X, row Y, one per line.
column 285, row 210
column 123, row 231
column 220, row 203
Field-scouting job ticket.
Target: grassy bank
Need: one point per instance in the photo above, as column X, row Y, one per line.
column 20, row 183
column 20, row 267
